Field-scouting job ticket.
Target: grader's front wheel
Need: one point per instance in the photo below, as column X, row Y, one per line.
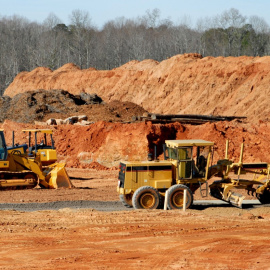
column 176, row 197
column 146, row 197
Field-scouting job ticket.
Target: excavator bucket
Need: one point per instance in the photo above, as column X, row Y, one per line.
column 57, row 176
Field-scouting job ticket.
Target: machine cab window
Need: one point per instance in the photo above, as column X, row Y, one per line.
column 191, row 157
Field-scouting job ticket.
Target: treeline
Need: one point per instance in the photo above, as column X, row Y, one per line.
column 26, row 45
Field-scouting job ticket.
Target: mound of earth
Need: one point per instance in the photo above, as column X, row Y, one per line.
column 188, row 83
column 41, row 105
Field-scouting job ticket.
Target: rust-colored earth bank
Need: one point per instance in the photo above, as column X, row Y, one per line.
column 210, row 237
column 105, row 144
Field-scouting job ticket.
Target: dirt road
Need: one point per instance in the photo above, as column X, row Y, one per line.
column 200, row 238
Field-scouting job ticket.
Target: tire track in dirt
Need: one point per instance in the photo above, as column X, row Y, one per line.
column 113, row 205
column 97, row 205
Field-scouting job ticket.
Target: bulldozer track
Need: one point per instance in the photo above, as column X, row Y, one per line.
column 25, row 180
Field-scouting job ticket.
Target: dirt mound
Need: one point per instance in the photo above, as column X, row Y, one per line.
column 41, row 105
column 182, row 84
column 108, row 143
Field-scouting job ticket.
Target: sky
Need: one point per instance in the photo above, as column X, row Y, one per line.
column 102, row 11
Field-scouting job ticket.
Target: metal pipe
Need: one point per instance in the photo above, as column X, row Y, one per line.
column 35, row 141
column 196, row 116
column 52, row 141
column 45, row 138
column 29, row 139
column 13, row 139
column 227, row 149
column 240, row 160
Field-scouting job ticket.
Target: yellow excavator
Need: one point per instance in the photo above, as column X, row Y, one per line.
column 22, row 169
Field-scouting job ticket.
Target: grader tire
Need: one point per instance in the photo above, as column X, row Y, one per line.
column 146, row 197
column 176, row 197
column 264, row 198
column 126, row 200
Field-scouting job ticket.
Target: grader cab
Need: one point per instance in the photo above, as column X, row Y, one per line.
column 191, row 158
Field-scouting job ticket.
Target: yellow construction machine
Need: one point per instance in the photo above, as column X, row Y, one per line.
column 43, row 144
column 20, row 169
column 231, row 174
column 188, row 166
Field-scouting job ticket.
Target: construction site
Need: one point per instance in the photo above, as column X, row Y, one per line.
column 87, row 157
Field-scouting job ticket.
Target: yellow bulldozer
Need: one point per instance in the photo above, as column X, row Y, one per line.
column 23, row 169
column 187, row 165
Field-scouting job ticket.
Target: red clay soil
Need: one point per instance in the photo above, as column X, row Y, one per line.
column 186, row 83
column 211, row 238
column 105, row 144
column 88, row 239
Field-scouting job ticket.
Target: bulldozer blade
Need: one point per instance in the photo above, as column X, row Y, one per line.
column 58, row 177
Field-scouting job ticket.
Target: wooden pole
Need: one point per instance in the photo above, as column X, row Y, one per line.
column 185, row 200
column 166, row 200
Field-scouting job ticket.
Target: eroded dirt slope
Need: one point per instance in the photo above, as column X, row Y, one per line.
column 182, row 84
column 104, row 143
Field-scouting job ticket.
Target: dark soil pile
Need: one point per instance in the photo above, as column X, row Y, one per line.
column 41, row 105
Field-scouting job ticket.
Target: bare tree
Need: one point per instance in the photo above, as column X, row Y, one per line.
column 151, row 18
column 51, row 21
column 80, row 19
column 25, row 45
column 80, row 30
column 260, row 38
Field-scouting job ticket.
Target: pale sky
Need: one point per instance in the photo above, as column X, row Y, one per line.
column 101, row 11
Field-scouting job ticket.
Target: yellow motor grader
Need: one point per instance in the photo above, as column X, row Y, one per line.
column 187, row 166
column 20, row 169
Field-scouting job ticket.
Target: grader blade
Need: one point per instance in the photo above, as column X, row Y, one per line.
column 57, row 176
column 236, row 199
column 223, row 191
